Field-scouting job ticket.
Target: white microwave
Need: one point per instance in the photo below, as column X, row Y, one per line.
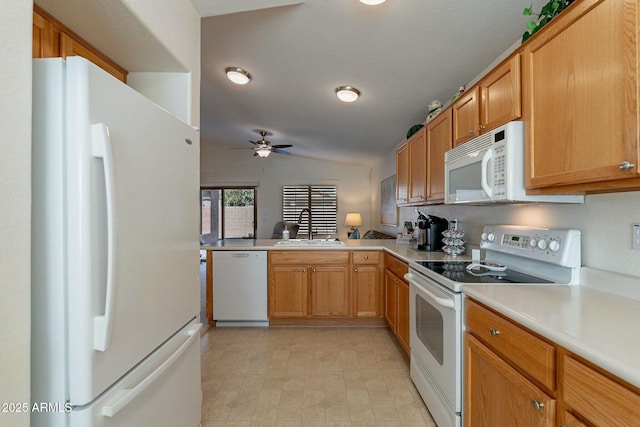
column 490, row 169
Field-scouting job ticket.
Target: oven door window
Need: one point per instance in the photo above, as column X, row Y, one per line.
column 430, row 328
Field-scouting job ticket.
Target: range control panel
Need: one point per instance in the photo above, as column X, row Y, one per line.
column 557, row 246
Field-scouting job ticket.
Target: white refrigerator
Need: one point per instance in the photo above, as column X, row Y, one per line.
column 115, row 255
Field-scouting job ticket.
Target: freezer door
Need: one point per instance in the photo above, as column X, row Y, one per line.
column 162, row 391
column 132, row 233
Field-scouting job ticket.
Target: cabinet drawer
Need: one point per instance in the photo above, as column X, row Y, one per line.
column 366, row 257
column 533, row 355
column 309, row 257
column 397, row 267
column 596, row 397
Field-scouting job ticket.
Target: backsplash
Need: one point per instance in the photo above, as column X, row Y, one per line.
column 604, row 220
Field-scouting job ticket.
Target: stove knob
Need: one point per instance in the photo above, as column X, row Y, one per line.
column 491, row 237
column 483, row 236
column 533, row 243
column 542, row 244
column 554, row 245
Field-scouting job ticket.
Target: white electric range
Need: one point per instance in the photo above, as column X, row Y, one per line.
column 513, row 255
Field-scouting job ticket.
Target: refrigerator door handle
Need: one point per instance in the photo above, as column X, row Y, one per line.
column 129, row 394
column 101, row 148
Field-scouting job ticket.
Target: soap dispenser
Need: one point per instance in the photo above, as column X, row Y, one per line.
column 285, row 233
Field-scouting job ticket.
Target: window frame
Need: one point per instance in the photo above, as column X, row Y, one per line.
column 222, row 189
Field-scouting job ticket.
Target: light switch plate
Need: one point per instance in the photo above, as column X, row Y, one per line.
column 635, row 236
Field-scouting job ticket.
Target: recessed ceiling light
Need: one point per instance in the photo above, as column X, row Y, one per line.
column 372, row 2
column 238, row 75
column 347, row 93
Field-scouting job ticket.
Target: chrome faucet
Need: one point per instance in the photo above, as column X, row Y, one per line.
column 309, row 222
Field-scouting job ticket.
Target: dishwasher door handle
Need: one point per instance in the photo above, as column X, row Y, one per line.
column 240, row 255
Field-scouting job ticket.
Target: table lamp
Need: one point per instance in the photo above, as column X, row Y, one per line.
column 353, row 220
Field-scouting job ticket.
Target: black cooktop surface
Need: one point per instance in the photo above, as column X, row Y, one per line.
column 457, row 271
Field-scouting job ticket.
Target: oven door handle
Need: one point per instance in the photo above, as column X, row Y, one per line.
column 444, row 302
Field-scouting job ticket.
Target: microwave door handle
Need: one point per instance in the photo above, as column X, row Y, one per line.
column 484, row 178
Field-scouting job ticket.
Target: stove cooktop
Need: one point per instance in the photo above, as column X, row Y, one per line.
column 457, row 272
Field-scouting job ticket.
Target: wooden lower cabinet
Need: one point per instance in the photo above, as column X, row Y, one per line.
column 338, row 284
column 596, row 397
column 396, row 304
column 498, row 395
column 329, row 292
column 511, row 378
column 288, row 291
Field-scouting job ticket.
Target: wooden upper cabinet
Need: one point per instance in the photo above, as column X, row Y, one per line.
column 46, row 38
column 402, row 174
column 439, row 141
column 494, row 101
column 466, row 116
column 70, row 46
column 52, row 39
column 418, row 166
column 500, row 94
column 581, row 92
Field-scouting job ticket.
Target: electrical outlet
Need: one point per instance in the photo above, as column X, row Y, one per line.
column 635, row 236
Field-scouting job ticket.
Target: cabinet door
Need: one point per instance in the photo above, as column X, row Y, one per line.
column 597, row 398
column 71, row 47
column 391, row 300
column 403, row 315
column 466, row 117
column 495, row 394
column 402, row 174
column 46, row 38
column 582, row 104
column 500, row 95
column 329, row 291
column 366, row 288
column 288, row 291
column 418, row 167
column 439, row 141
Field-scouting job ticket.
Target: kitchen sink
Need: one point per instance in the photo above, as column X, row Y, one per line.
column 307, row 242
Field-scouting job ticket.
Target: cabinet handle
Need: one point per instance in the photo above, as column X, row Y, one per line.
column 537, row 405
column 313, row 270
column 304, row 270
column 355, row 269
column 395, row 265
column 395, row 280
column 481, row 127
column 366, row 257
column 494, row 332
column 471, row 132
column 625, row 166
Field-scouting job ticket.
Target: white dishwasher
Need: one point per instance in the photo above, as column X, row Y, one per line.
column 240, row 288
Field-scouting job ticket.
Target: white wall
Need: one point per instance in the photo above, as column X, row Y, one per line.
column 604, row 219
column 176, row 24
column 15, row 201
column 223, row 166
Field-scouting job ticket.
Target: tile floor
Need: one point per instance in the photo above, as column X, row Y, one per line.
column 307, row 377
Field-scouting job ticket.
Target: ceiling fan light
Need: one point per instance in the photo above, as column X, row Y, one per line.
column 347, row 93
column 238, row 75
column 372, row 2
column 263, row 151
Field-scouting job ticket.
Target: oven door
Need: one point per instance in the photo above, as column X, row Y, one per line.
column 436, row 347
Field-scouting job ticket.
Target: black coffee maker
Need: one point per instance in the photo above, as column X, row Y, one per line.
column 430, row 230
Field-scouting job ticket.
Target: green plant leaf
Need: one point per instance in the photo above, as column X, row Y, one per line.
column 531, row 26
column 528, row 11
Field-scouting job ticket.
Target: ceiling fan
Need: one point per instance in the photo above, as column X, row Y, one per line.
column 263, row 147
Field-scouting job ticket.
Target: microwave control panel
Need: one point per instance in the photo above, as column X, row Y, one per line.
column 499, row 171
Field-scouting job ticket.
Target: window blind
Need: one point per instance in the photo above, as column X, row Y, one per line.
column 321, row 200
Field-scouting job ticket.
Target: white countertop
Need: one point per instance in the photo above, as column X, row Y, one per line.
column 405, row 251
column 599, row 326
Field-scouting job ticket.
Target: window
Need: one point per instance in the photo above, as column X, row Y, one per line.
column 227, row 213
column 321, row 200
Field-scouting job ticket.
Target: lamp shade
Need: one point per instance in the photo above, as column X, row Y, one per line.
column 353, row 219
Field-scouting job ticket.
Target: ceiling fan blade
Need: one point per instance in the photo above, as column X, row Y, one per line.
column 275, row 150
column 282, row 146
column 254, row 142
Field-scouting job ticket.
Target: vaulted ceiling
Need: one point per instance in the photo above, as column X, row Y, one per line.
column 401, row 55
